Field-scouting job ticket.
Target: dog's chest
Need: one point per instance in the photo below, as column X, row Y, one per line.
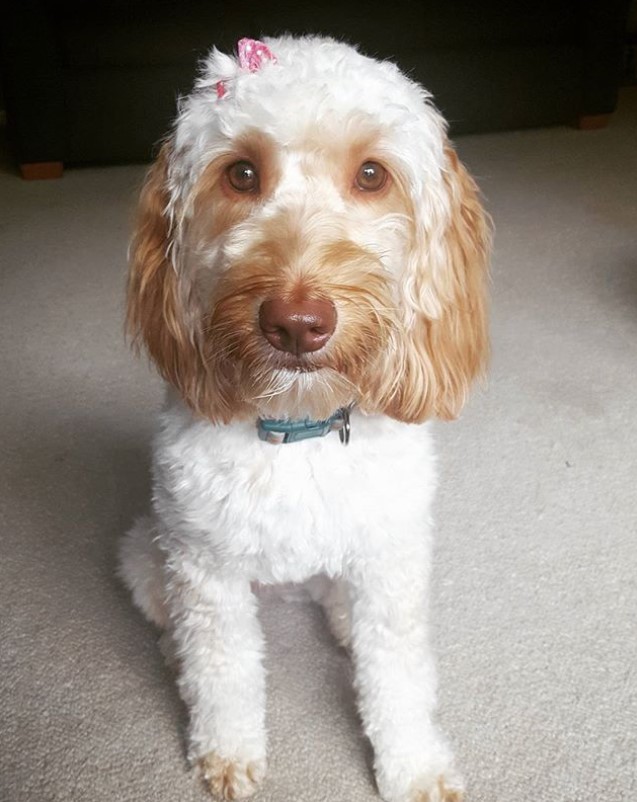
column 285, row 512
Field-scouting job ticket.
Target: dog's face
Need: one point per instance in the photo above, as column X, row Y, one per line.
column 308, row 239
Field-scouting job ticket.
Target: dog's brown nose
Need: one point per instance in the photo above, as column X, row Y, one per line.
column 298, row 327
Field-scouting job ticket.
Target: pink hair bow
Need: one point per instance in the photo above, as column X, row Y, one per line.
column 252, row 54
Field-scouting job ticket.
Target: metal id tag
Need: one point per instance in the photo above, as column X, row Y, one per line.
column 345, row 430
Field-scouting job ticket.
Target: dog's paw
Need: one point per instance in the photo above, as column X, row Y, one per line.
column 442, row 789
column 231, row 779
column 442, row 785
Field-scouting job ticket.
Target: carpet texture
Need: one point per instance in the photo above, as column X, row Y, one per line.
column 535, row 580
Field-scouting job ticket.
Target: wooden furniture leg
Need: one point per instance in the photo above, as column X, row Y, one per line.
column 591, row 122
column 37, row 171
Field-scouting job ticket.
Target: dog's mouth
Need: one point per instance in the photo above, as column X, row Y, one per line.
column 302, row 363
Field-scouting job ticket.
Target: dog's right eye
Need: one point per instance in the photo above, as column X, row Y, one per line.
column 371, row 177
column 243, row 177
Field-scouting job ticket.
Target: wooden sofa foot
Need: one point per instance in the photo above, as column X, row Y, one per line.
column 591, row 122
column 38, row 171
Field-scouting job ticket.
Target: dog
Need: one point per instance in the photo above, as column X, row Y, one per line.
column 308, row 274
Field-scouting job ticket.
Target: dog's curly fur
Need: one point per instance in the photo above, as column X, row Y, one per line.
column 405, row 269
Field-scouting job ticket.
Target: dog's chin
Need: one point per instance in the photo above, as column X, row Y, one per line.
column 302, row 388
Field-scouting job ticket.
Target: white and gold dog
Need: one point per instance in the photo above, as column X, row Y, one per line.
column 309, row 268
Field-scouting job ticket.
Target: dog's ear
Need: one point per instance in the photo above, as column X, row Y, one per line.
column 446, row 341
column 156, row 317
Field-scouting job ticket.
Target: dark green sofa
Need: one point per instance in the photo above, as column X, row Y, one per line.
column 97, row 82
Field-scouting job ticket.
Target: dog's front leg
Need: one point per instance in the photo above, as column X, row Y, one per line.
column 219, row 648
column 395, row 680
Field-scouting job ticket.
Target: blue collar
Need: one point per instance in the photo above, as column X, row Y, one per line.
column 291, row 431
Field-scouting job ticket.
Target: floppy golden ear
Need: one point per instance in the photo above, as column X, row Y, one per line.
column 446, row 343
column 156, row 317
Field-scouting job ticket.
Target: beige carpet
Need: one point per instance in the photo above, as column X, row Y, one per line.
column 535, row 594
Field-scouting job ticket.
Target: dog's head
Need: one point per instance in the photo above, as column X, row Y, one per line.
column 307, row 239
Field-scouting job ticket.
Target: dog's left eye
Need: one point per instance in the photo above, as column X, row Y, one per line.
column 243, row 177
column 371, row 177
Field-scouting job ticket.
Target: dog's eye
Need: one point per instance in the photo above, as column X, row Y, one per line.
column 243, row 177
column 371, row 177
